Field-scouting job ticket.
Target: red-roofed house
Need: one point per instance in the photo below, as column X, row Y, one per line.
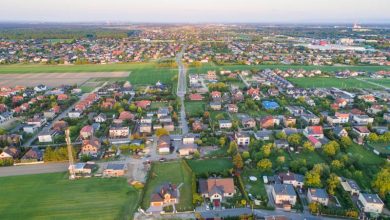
column 315, row 131
column 195, row 97
column 314, row 141
column 125, row 115
column 143, row 104
column 62, row 97
column 86, row 132
column 253, row 92
column 216, row 94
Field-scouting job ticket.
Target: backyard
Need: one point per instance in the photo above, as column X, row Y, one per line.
column 170, row 172
column 195, row 108
column 322, row 82
column 54, row 196
column 210, row 165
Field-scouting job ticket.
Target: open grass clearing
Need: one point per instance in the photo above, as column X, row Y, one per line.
column 54, row 196
column 210, row 165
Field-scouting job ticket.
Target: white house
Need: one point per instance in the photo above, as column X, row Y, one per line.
column 318, row 195
column 227, row 124
column 242, row 139
column 370, row 203
column 45, row 137
column 30, row 129
column 284, row 193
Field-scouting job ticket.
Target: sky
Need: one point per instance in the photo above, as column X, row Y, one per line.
column 197, row 11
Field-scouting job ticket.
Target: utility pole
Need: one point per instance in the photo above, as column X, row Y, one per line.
column 72, row 174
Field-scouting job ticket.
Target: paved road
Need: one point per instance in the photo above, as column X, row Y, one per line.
column 182, row 90
column 33, row 169
column 372, row 83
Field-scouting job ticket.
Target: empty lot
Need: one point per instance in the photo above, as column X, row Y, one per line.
column 55, row 79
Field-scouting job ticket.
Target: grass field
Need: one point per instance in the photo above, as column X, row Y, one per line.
column 383, row 82
column 210, row 165
column 383, row 148
column 35, row 68
column 310, row 157
column 205, row 68
column 194, row 108
column 256, row 188
column 170, row 172
column 320, row 82
column 53, row 196
column 364, row 156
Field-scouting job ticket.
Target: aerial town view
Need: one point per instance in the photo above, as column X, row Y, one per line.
column 242, row 110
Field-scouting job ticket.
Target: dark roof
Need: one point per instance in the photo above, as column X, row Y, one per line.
column 284, row 189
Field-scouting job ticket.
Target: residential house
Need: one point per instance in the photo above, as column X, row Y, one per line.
column 126, row 115
column 86, row 132
column 144, row 104
column 100, row 118
column 216, row 106
column 46, row 137
column 164, row 144
column 288, row 177
column 145, row 128
column 74, row 114
column 211, row 76
column 37, row 120
column 340, row 132
column 281, row 143
column 350, row 186
column 284, row 194
column 315, row 131
column 59, row 126
column 84, row 168
column 248, row 122
column 217, row 189
column 232, row 108
column 225, row 124
column 242, row 139
column 30, row 129
column 310, row 118
column 289, row 121
column 386, row 117
column 169, row 126
column 216, row 95
column 314, row 141
column 91, row 147
column 10, row 152
column 162, row 112
column 195, row 97
column 32, row 155
column 362, row 119
column 370, row 203
column 290, row 131
column 264, row 135
column 166, row 194
column 267, row 122
column 197, row 126
column 5, row 116
column 115, row 170
column 119, row 132
column 318, row 195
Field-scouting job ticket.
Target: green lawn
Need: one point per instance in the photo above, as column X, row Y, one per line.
column 383, row 82
column 383, row 148
column 54, row 196
column 170, row 172
column 321, row 82
column 210, row 165
column 256, row 188
column 194, row 108
column 310, row 157
column 364, row 156
column 205, row 68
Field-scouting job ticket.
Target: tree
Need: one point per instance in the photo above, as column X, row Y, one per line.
column 233, row 148
column 264, row 165
column 314, row 207
column 294, row 139
column 281, row 135
column 346, row 142
column 266, row 150
column 222, row 141
column 245, row 155
column 331, row 148
column 237, row 161
column 337, row 164
column 308, row 146
column 333, row 181
column 373, row 137
column 382, row 182
column 196, row 199
column 161, row 131
column 313, row 179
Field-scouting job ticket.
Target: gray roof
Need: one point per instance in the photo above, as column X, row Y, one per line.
column 116, row 166
column 318, row 193
column 372, row 198
column 284, row 189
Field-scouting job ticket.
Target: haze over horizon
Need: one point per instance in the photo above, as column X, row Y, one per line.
column 200, row 11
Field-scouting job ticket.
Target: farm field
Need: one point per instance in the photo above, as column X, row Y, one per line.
column 53, row 196
column 321, row 82
column 383, row 82
column 210, row 165
column 170, row 172
column 207, row 67
column 56, row 79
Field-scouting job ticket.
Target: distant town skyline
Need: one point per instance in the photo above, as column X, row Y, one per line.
column 200, row 11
